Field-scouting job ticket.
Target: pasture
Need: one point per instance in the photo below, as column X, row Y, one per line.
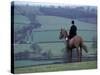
column 45, row 37
column 58, row 67
column 49, row 31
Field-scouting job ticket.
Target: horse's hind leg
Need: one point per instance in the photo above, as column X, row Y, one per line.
column 79, row 52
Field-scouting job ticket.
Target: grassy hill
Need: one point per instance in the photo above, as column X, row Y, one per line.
column 58, row 67
column 54, row 22
column 34, row 26
column 50, row 23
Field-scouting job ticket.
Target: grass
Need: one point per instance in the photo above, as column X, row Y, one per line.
column 58, row 67
column 53, row 22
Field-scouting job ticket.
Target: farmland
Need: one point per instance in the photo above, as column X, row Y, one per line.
column 58, row 67
column 37, row 46
column 52, row 25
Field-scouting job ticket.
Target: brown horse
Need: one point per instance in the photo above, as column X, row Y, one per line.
column 75, row 42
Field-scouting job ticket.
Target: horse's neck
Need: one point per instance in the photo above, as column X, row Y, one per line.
column 66, row 35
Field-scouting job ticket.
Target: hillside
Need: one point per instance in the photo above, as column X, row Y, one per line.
column 58, row 67
column 36, row 37
column 53, row 24
column 82, row 13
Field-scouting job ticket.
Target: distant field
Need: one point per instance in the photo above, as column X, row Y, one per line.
column 38, row 26
column 53, row 23
column 54, row 47
column 50, row 23
column 58, row 67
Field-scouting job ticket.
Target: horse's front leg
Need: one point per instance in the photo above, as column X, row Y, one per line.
column 79, row 52
column 69, row 55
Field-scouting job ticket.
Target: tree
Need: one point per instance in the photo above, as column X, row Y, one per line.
column 36, row 48
column 26, row 30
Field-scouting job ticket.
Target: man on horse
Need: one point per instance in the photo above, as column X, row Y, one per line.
column 73, row 31
column 72, row 41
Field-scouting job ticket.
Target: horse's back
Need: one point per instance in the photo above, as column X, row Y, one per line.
column 78, row 37
column 76, row 40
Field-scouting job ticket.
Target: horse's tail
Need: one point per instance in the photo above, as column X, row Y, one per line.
column 85, row 48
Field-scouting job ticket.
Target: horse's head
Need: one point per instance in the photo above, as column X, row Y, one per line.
column 63, row 34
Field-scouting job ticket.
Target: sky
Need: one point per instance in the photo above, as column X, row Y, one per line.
column 30, row 2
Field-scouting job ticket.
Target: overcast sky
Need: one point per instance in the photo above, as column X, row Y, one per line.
column 52, row 2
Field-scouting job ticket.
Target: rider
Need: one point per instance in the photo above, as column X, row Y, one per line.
column 73, row 30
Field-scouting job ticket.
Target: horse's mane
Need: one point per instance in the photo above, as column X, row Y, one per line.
column 65, row 31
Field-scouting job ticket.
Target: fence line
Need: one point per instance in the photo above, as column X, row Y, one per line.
column 22, row 23
column 46, row 30
column 54, row 29
column 54, row 42
column 29, row 23
column 59, row 30
column 58, row 41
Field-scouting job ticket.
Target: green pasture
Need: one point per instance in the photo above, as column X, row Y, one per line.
column 50, row 23
column 54, row 23
column 58, row 67
column 56, row 48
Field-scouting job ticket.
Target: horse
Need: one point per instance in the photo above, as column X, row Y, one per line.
column 75, row 42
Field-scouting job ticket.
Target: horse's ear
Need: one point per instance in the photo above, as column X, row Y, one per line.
column 61, row 29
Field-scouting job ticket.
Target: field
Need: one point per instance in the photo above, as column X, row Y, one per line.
column 51, row 23
column 45, row 37
column 58, row 67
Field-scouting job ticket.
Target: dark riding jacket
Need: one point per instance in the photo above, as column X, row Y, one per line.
column 73, row 31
